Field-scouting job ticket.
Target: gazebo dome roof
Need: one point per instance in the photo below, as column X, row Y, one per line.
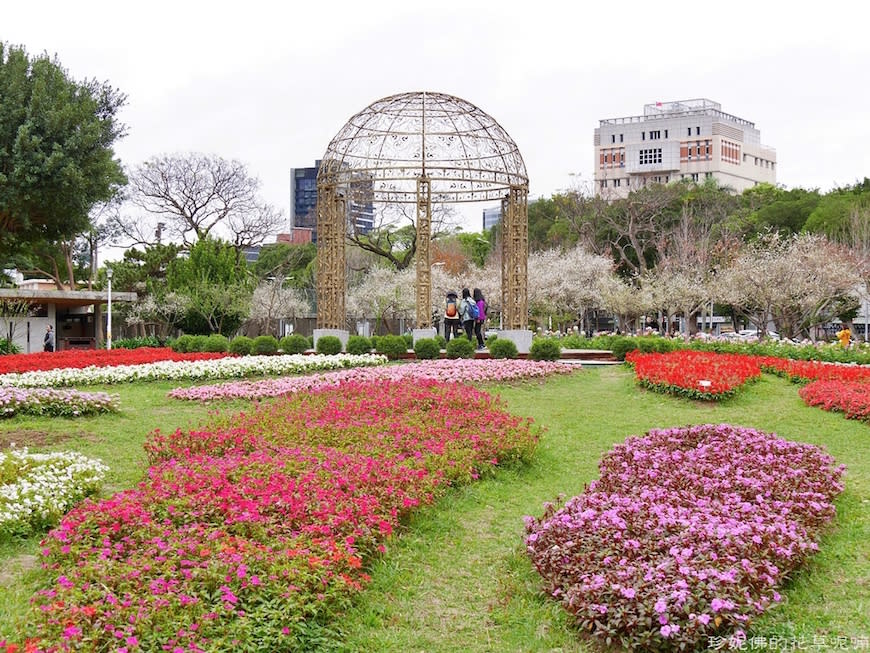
column 384, row 149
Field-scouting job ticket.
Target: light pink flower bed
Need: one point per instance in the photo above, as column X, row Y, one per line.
column 457, row 370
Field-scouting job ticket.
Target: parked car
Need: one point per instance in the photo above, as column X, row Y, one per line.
column 755, row 333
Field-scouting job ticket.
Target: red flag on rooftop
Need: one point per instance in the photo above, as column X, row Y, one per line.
column 658, row 104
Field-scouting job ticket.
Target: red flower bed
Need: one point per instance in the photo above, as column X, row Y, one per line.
column 695, row 374
column 804, row 371
column 852, row 398
column 252, row 533
column 79, row 358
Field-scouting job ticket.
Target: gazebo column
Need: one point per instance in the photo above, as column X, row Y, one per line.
column 514, row 268
column 331, row 272
column 424, row 256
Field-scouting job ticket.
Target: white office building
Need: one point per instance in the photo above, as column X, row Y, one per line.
column 686, row 139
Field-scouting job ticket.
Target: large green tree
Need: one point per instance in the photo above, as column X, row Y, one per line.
column 215, row 284
column 56, row 151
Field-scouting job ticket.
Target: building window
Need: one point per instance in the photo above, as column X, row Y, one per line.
column 708, row 175
column 617, row 182
column 655, row 135
column 622, row 159
column 667, row 178
column 620, row 138
column 648, row 157
column 688, row 131
column 604, row 183
column 613, row 138
column 643, row 136
column 697, row 131
column 694, row 176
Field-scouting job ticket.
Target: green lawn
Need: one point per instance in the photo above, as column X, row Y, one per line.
column 457, row 579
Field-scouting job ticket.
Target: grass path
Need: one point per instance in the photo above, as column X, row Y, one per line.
column 458, row 581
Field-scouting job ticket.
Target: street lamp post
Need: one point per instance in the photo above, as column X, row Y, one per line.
column 109, row 312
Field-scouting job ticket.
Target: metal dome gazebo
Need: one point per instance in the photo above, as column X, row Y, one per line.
column 419, row 148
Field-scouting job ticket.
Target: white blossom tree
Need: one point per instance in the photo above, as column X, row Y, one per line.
column 567, row 283
column 383, row 293
column 797, row 282
column 272, row 300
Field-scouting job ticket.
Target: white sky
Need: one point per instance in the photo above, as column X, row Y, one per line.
column 270, row 83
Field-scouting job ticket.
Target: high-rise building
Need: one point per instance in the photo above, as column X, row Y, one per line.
column 303, row 197
column 686, row 139
column 303, row 202
column 491, row 217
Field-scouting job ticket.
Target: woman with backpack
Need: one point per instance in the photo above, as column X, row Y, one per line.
column 481, row 317
column 468, row 311
column 451, row 316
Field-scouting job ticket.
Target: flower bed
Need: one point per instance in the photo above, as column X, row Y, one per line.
column 254, row 530
column 694, row 374
column 78, row 358
column 852, row 398
column 220, row 368
column 37, row 489
column 687, row 534
column 805, row 371
column 458, row 370
column 47, row 401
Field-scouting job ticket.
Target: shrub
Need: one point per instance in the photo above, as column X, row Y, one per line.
column 491, row 339
column 358, row 345
column 198, row 343
column 575, row 341
column 460, row 347
column 502, row 348
column 374, row 340
column 216, row 343
column 391, row 346
column 8, row 347
column 545, row 349
column 328, row 345
column 135, row 343
column 182, row 344
column 409, row 340
column 621, row 345
column 241, row 345
column 441, row 340
column 265, row 345
column 427, row 349
column 295, row 343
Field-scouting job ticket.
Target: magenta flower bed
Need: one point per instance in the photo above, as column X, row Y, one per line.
column 48, row 401
column 253, row 532
column 457, row 370
column 687, row 534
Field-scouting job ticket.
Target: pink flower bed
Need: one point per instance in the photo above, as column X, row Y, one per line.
column 255, row 529
column 456, row 370
column 852, row 398
column 687, row 534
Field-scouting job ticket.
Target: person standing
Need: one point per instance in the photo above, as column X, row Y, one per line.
column 451, row 316
column 481, row 317
column 48, row 340
column 467, row 313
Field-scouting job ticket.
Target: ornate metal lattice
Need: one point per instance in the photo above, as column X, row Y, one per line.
column 420, row 148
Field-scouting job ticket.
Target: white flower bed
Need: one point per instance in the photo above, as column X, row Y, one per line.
column 221, row 368
column 37, row 489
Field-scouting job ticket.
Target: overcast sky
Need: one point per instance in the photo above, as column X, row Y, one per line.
column 270, row 83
